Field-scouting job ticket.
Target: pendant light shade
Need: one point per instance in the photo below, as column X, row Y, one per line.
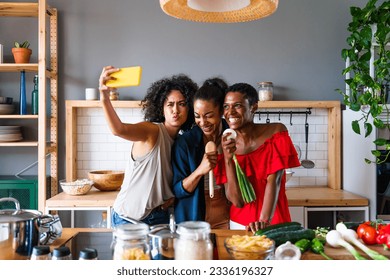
column 219, row 11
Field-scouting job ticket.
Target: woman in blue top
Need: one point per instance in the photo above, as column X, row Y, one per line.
column 191, row 164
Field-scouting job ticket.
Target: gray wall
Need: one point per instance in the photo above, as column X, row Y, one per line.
column 297, row 48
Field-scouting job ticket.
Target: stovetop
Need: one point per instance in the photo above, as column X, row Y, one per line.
column 101, row 241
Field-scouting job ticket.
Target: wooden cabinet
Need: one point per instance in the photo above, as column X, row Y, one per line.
column 46, row 68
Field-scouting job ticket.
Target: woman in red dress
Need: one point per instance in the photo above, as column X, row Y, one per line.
column 263, row 151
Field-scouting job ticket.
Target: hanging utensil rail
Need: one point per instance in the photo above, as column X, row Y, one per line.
column 291, row 113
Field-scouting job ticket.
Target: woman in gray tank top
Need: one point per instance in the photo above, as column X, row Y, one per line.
column 146, row 193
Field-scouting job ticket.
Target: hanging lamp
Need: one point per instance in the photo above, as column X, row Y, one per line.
column 219, row 11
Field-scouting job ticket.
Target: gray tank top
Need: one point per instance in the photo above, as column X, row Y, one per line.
column 148, row 179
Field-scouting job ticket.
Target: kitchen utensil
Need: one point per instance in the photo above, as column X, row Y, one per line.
column 19, row 231
column 211, row 148
column 307, row 163
column 299, row 151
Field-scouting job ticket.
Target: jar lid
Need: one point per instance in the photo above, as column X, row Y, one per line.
column 41, row 250
column 128, row 231
column 194, row 229
column 61, row 252
column 88, row 254
column 265, row 83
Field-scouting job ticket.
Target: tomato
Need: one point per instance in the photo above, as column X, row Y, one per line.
column 369, row 235
column 361, row 229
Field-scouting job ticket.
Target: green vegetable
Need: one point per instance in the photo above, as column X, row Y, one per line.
column 293, row 236
column 335, row 239
column 246, row 188
column 287, row 226
column 321, row 233
column 318, row 247
column 303, row 245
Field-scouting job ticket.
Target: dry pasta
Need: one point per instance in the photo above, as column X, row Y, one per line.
column 245, row 247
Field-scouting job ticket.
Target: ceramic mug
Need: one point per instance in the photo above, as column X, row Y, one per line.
column 91, row 94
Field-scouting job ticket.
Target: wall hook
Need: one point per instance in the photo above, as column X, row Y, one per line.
column 267, row 120
column 291, row 118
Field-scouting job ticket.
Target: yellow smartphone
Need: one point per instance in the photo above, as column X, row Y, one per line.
column 126, row 77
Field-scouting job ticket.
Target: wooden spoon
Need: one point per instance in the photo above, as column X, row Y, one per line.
column 210, row 148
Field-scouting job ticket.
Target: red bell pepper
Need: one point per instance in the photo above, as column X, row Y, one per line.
column 383, row 236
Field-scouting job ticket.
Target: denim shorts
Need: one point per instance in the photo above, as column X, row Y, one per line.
column 157, row 216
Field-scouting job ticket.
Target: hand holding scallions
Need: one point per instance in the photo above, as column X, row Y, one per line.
column 246, row 188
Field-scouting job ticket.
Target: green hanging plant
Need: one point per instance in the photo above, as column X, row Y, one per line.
column 369, row 30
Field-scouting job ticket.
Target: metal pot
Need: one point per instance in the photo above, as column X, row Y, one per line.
column 19, row 231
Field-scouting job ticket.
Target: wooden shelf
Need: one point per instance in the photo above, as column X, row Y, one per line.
column 14, row 67
column 34, row 117
column 19, row 144
column 46, row 33
column 10, row 9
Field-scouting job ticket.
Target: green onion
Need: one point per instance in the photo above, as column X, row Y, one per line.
column 246, row 188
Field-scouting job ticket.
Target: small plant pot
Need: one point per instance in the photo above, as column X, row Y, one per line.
column 21, row 55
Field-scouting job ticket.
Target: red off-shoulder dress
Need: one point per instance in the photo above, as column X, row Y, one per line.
column 276, row 153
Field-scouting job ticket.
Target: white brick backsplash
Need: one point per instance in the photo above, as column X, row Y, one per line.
column 98, row 148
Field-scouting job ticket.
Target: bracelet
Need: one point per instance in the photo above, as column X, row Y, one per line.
column 267, row 222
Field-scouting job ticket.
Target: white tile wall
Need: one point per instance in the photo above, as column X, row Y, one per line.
column 97, row 148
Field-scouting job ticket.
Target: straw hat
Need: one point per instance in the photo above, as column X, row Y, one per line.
column 219, row 11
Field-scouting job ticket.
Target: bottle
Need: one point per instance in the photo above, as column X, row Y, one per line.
column 266, row 91
column 88, row 254
column 131, row 242
column 34, row 97
column 61, row 253
column 41, row 252
column 22, row 99
column 194, row 241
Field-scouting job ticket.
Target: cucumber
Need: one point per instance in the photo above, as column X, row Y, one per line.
column 282, row 227
column 293, row 236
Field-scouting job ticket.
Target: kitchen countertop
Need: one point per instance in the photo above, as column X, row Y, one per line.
column 297, row 196
column 335, row 253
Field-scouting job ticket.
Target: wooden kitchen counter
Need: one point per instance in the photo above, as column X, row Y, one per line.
column 335, row 253
column 297, row 196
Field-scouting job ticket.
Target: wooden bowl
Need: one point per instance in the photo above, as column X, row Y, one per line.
column 106, row 180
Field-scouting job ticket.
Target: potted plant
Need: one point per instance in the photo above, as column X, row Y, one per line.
column 21, row 52
column 367, row 71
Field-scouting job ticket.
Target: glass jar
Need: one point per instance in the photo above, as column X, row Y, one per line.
column 61, row 253
column 88, row 254
column 131, row 242
column 194, row 241
column 41, row 252
column 266, row 91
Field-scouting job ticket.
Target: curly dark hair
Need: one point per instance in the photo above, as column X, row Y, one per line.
column 213, row 89
column 153, row 103
column 248, row 91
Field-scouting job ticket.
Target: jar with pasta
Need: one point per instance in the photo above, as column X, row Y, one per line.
column 131, row 242
column 194, row 241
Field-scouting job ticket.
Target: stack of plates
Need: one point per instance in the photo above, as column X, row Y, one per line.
column 9, row 133
column 6, row 109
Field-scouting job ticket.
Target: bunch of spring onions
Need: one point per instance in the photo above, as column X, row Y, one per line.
column 246, row 188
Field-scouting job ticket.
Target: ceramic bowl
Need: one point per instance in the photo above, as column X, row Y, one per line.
column 250, row 247
column 107, row 180
column 78, row 187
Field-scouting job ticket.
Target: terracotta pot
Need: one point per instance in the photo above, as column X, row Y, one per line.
column 21, row 55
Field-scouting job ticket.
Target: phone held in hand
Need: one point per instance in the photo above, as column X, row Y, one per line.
column 126, row 77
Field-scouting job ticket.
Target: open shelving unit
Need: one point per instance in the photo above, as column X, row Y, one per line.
column 47, row 70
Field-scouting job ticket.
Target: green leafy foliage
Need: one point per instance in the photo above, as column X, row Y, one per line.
column 369, row 24
column 25, row 45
